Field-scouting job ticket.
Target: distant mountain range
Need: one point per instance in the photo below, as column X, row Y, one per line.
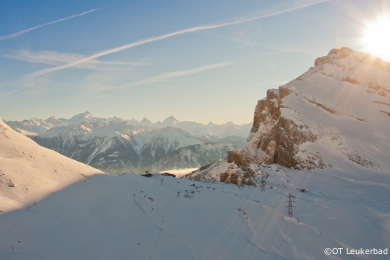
column 115, row 145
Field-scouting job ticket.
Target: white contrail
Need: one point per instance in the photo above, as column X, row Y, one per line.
column 10, row 36
column 175, row 74
column 58, row 59
column 153, row 39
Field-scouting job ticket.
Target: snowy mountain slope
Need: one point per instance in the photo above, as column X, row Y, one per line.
column 80, row 118
column 29, row 172
column 55, row 121
column 39, row 126
column 209, row 131
column 102, row 144
column 145, row 122
column 193, row 156
column 234, row 140
column 89, row 130
column 229, row 129
column 116, row 147
column 170, row 121
column 336, row 115
column 34, row 126
column 169, row 137
column 113, row 155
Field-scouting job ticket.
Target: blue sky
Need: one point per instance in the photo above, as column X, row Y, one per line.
column 204, row 61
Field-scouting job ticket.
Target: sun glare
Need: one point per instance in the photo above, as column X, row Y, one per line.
column 376, row 38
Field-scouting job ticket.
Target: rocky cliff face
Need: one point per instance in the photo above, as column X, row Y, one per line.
column 274, row 137
column 334, row 115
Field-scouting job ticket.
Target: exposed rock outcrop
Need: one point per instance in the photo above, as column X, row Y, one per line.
column 275, row 137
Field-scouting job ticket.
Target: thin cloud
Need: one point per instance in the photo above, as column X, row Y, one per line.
column 153, row 39
column 10, row 36
column 58, row 59
column 175, row 74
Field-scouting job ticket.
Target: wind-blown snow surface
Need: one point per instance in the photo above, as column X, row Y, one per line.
column 135, row 217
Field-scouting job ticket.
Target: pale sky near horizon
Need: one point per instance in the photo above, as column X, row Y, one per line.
column 203, row 61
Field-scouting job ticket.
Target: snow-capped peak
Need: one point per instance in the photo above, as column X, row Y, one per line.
column 345, row 53
column 52, row 118
column 170, row 121
column 78, row 119
column 145, row 121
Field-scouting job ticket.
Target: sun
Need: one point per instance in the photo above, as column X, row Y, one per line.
column 376, row 37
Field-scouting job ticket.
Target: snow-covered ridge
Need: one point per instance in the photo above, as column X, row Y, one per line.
column 336, row 115
column 87, row 130
column 28, row 172
column 117, row 147
column 40, row 126
column 359, row 57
